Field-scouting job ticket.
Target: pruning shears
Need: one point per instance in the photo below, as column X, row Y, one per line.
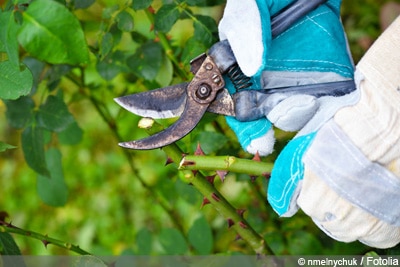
column 207, row 92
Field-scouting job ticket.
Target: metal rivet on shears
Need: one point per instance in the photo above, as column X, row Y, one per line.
column 203, row 91
column 209, row 66
column 216, row 78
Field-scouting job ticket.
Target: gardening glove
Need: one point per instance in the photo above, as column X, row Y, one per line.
column 346, row 174
column 313, row 50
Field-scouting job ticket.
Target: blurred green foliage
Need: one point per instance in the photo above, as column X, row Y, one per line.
column 61, row 170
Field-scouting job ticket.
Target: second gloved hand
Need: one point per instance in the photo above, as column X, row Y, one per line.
column 313, row 50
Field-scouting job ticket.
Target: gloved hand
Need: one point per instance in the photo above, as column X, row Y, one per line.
column 346, row 175
column 342, row 168
column 313, row 50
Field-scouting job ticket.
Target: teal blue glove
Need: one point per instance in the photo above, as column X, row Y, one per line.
column 313, row 50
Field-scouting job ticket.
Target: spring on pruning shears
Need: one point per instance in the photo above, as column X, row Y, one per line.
column 239, row 80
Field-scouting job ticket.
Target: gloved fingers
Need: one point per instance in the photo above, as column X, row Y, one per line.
column 242, row 26
column 287, row 174
column 372, row 124
column 294, row 112
column 254, row 136
column 340, row 219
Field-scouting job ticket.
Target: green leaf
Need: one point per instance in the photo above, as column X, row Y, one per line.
column 82, row 4
column 8, row 36
column 205, row 29
column 53, row 115
column 172, row 241
column 166, row 17
column 200, row 236
column 106, row 45
column 144, row 242
column 125, row 21
column 53, row 34
column 164, row 76
column 146, row 62
column 72, row 135
column 36, row 67
column 209, row 141
column 33, row 148
column 8, row 245
column 4, row 146
column 205, row 2
column 192, row 49
column 141, row 4
column 13, row 82
column 20, row 112
column 304, row 243
column 52, row 189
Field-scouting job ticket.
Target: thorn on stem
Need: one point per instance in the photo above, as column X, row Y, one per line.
column 267, row 175
column 169, row 161
column 211, row 179
column 230, row 223
column 222, row 175
column 238, row 237
column 215, row 197
column 199, row 151
column 256, row 157
column 46, row 242
column 253, row 178
column 240, row 212
column 205, row 202
column 243, row 225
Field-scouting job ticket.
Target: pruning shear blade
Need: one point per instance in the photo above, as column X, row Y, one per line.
column 190, row 101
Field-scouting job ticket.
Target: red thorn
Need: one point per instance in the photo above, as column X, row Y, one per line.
column 199, row 151
column 152, row 10
column 253, row 178
column 210, row 179
column 230, row 223
column 243, row 225
column 45, row 243
column 215, row 197
column 205, row 202
column 256, row 157
column 222, row 175
column 195, row 172
column 267, row 175
column 169, row 161
column 240, row 212
column 238, row 237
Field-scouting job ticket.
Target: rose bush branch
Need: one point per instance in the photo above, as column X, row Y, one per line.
column 211, row 195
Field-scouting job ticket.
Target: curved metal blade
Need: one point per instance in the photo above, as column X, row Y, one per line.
column 192, row 114
column 169, row 102
column 166, row 102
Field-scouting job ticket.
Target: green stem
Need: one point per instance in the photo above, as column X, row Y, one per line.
column 8, row 227
column 225, row 163
column 237, row 222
